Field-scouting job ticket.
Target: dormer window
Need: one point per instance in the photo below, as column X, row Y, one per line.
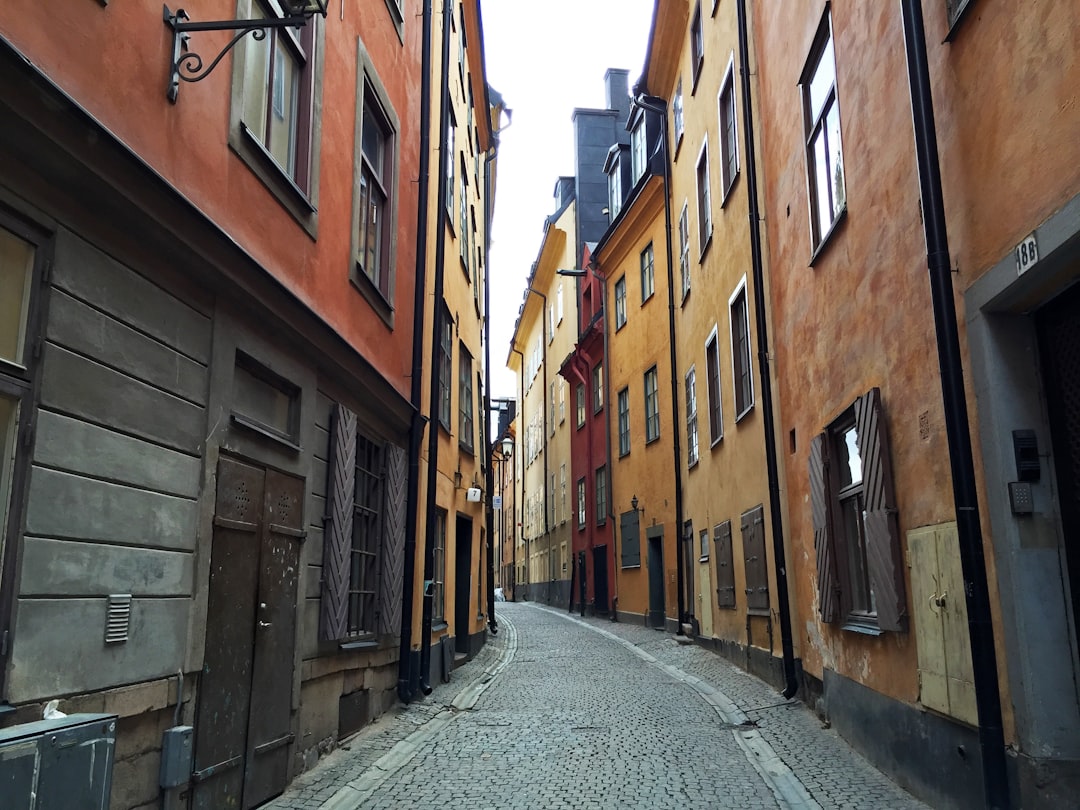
column 637, row 150
column 614, row 172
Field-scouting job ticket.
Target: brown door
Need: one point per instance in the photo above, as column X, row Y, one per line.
column 242, row 731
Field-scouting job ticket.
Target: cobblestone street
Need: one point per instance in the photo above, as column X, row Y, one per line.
column 562, row 712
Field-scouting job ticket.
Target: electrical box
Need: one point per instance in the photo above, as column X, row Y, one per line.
column 60, row 764
column 176, row 756
column 1020, row 499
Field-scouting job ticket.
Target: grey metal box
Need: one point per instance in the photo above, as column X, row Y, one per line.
column 176, row 753
column 65, row 763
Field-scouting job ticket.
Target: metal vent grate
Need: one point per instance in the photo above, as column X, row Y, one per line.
column 118, row 618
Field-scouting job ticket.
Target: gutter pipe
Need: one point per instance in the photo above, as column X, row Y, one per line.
column 437, row 324
column 957, row 428
column 489, row 189
column 521, row 422
column 416, row 431
column 761, row 321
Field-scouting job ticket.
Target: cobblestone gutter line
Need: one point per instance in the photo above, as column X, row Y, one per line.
column 785, row 785
column 357, row 792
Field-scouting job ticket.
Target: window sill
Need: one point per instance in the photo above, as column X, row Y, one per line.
column 716, row 442
column 685, row 296
column 647, row 298
column 705, row 247
column 653, row 440
column 358, row 645
column 826, row 240
column 955, row 22
column 729, row 190
column 862, row 626
column 743, row 413
column 265, row 166
column 675, row 151
column 372, row 294
column 697, row 71
column 704, row 559
column 266, row 432
column 438, row 625
column 631, row 567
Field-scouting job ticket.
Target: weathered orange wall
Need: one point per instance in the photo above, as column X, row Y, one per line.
column 114, row 61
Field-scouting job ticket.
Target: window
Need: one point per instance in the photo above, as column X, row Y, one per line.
column 277, row 105
column 697, row 44
column 624, row 422
column 955, row 9
column 620, row 302
column 740, row 353
column 630, row 538
column 712, row 371
column 691, row 418
column 677, row 113
column 446, row 349
column 366, row 538
column 448, row 159
column 559, row 304
column 580, row 405
column 860, row 571
column 637, row 150
column 821, row 117
column 598, row 387
column 755, row 567
column 264, row 401
column 614, row 188
column 562, row 401
column 729, row 160
column 562, row 492
column 684, row 250
column 703, row 539
column 581, row 503
column 648, row 280
column 551, row 323
column 465, row 398
column 601, row 496
column 463, row 220
column 652, row 406
column 376, row 170
column 438, row 600
column 704, row 202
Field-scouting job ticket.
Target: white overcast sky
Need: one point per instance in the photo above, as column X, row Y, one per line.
column 545, row 59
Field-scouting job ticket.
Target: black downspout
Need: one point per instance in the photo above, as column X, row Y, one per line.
column 957, row 429
column 416, row 432
column 493, row 625
column 521, row 422
column 761, row 319
column 659, row 106
column 436, row 334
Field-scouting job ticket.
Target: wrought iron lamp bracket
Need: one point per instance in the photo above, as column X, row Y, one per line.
column 188, row 66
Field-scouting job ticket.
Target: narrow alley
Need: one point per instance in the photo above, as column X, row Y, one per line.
column 562, row 712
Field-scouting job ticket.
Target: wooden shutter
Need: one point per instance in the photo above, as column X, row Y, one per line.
column 338, row 523
column 725, row 568
column 883, row 558
column 393, row 541
column 828, row 584
column 631, row 541
column 757, row 571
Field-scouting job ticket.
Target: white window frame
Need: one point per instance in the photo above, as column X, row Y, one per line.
column 684, row 249
column 637, row 150
column 678, row 115
column 620, row 302
column 704, row 201
column 741, row 289
column 726, row 159
column 691, row 418
column 718, row 406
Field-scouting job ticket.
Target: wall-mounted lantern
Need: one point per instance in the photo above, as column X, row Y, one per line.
column 188, row 66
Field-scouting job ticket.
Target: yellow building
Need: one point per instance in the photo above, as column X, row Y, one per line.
column 545, row 333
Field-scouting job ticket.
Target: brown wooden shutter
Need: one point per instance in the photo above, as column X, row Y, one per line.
column 393, row 541
column 883, row 557
column 828, row 584
column 337, row 533
column 631, row 541
column 725, row 568
column 757, row 571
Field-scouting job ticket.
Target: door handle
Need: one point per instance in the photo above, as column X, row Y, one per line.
column 264, row 624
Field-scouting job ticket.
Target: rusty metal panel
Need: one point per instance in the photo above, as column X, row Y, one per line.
column 269, row 730
column 827, row 580
column 337, row 542
column 757, row 570
column 883, row 556
column 225, row 684
column 725, row 565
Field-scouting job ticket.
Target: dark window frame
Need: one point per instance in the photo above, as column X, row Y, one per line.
column 466, row 431
column 742, row 369
column 697, row 47
column 647, row 262
column 579, row 393
column 713, row 377
column 728, row 133
column 598, row 387
column 446, row 363
column 620, row 302
column 600, row 495
column 623, row 398
column 652, row 405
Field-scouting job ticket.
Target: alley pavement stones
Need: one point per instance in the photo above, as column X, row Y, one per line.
column 558, row 711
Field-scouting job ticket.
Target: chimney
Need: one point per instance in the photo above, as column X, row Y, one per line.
column 617, row 91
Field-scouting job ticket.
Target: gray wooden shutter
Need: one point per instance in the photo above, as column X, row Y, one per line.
column 883, row 557
column 725, row 568
column 827, row 581
column 338, row 524
column 631, row 542
column 757, row 571
column 393, row 541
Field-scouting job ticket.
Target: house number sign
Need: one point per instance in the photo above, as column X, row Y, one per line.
column 1027, row 254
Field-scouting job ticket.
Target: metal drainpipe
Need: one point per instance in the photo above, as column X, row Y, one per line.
column 437, row 317
column 659, row 106
column 761, row 321
column 405, row 691
column 493, row 625
column 957, row 429
column 521, row 421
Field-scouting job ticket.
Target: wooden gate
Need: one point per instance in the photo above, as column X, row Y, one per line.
column 242, row 731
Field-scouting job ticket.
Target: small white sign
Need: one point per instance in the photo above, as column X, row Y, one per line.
column 496, row 502
column 1027, row 254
